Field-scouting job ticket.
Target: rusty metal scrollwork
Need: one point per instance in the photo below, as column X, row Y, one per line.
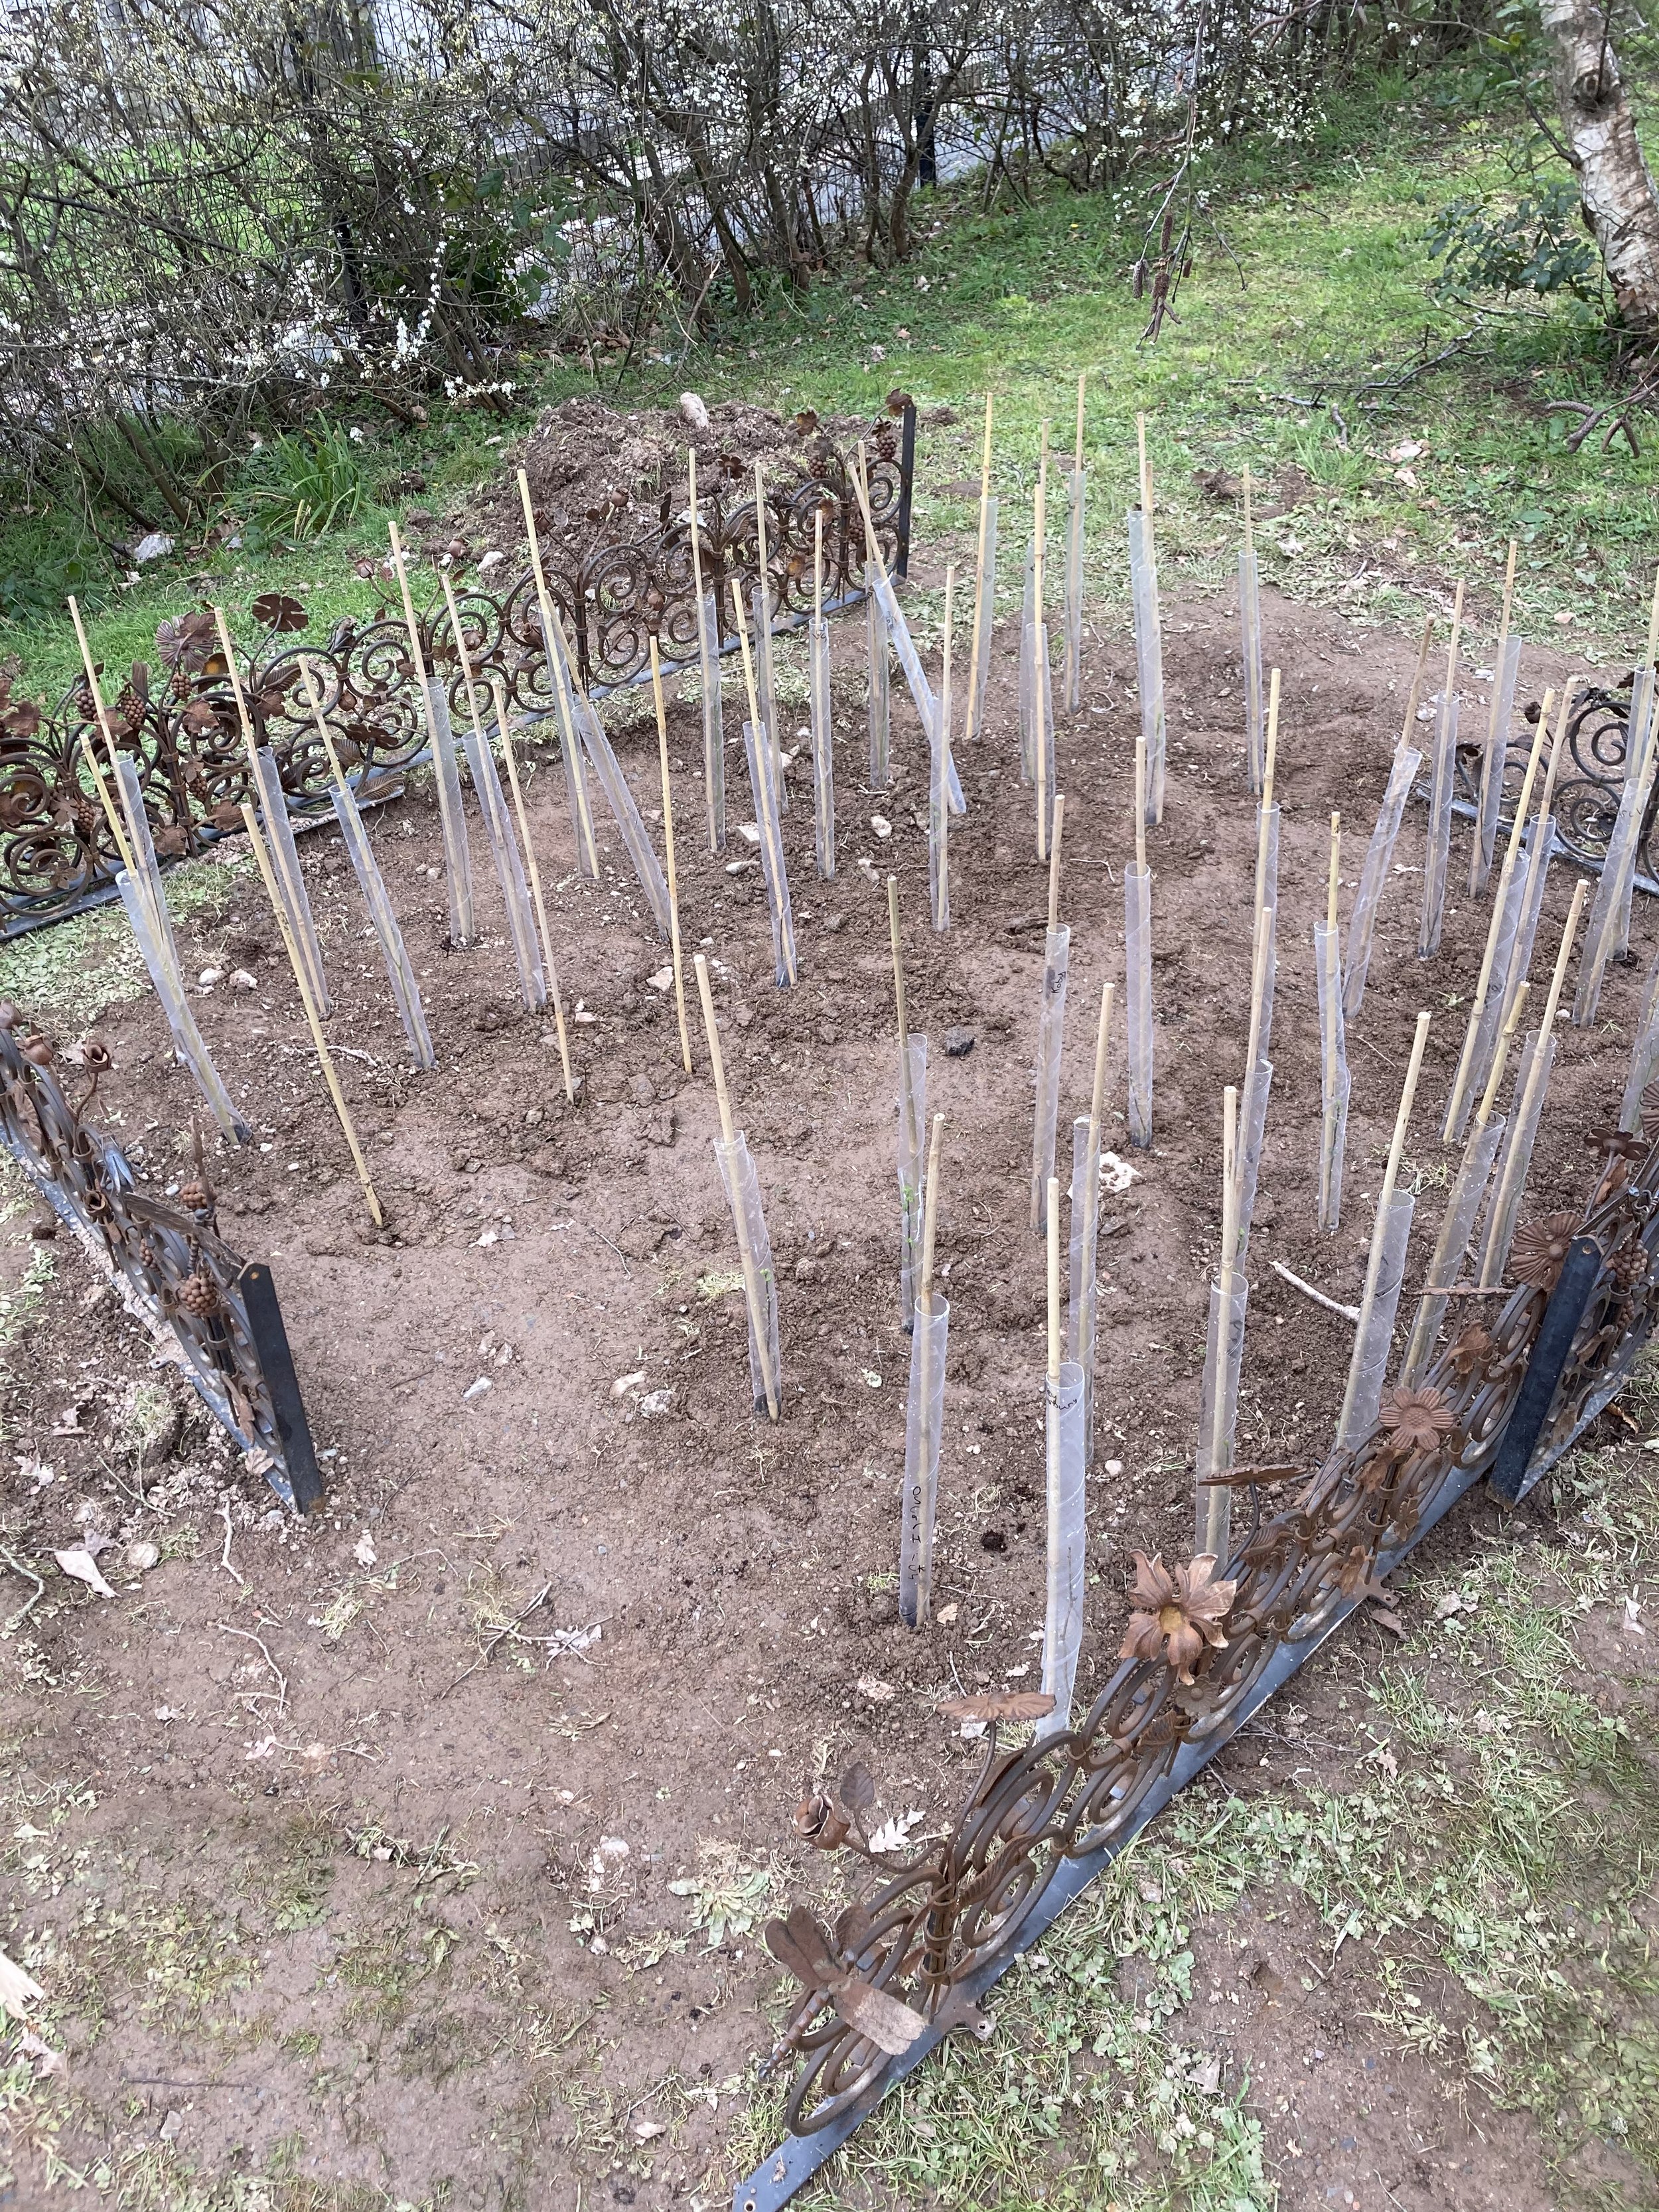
column 938, row 1927
column 172, row 1260
column 178, row 720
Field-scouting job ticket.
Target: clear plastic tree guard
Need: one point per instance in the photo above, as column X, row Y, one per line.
column 620, row 800
column 760, row 1281
column 912, row 1122
column 1379, row 860
column 756, row 749
column 1217, row 1414
column 1334, row 1078
column 509, row 868
column 713, row 732
column 400, row 973
column 1062, row 1626
column 1374, row 1336
column 1149, row 657
column 1138, row 999
column 881, row 682
column 1051, row 1032
column 924, row 1426
column 823, row 753
column 458, row 866
column 290, row 883
column 1451, row 1246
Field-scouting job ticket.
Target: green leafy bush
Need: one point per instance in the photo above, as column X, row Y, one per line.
column 1538, row 245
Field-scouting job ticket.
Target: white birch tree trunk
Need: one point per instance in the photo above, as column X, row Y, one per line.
column 1614, row 188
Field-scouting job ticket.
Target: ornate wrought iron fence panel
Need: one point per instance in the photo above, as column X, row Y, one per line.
column 171, row 1261
column 179, row 722
column 904, row 1965
column 1589, row 787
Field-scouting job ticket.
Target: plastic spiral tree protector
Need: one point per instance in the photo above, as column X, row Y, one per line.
column 1612, row 893
column 714, row 730
column 1051, row 1033
column 881, row 692
column 1062, row 1623
column 285, row 857
column 755, row 748
column 1083, row 1311
column 1374, row 876
column 985, row 612
column 620, row 800
column 823, row 748
column 1451, row 1246
column 1643, row 1053
column 509, row 867
column 1509, row 1187
column 458, row 865
column 1334, row 1078
column 1149, row 658
column 400, row 974
column 1483, row 1041
column 912, row 1126
column 924, row 1426
column 1252, row 1133
column 1437, row 856
column 1374, row 1339
column 1072, row 673
column 760, row 1281
column 1492, row 767
column 161, row 959
column 1138, row 999
column 766, row 687
column 1217, row 1414
column 1250, row 618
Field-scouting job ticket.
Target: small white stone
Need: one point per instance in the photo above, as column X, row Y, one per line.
column 881, row 825
column 208, row 977
column 243, row 980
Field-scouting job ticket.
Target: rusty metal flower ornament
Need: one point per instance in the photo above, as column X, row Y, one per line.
column 1179, row 1613
column 1539, row 1250
column 1416, row 1419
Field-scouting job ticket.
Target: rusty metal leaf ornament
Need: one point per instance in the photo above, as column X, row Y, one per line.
column 999, row 1705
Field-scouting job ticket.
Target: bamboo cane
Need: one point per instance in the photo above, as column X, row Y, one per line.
column 1056, row 1340
column 668, row 844
column 751, row 1289
column 256, row 839
column 1385, row 1199
column 1054, row 861
column 130, row 841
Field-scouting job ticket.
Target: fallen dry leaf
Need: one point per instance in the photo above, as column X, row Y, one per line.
column 84, row 1568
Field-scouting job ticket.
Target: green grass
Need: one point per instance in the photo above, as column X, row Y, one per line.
column 1312, row 281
